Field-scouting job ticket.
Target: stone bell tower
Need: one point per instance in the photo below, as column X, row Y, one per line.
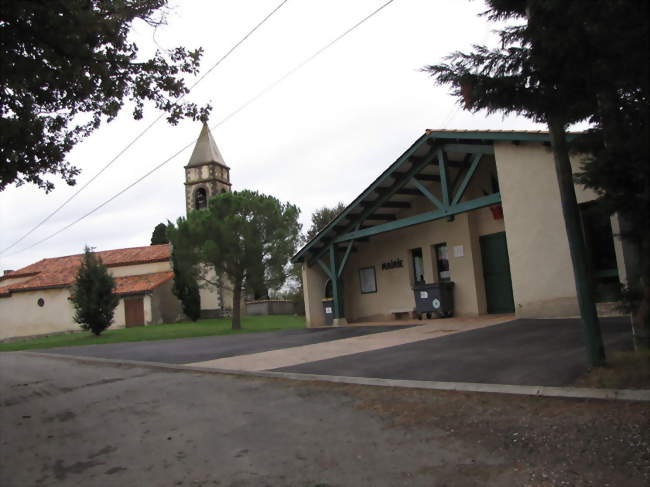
column 206, row 174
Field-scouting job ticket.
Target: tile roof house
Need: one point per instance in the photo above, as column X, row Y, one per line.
column 35, row 299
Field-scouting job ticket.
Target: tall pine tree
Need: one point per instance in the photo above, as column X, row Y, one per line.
column 243, row 236
column 562, row 62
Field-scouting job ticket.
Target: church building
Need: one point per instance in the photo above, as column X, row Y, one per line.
column 35, row 300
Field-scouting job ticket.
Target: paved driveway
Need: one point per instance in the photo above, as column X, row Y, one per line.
column 523, row 352
column 526, row 352
column 187, row 350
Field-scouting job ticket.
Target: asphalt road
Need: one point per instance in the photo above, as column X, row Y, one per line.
column 525, row 352
column 67, row 423
column 199, row 349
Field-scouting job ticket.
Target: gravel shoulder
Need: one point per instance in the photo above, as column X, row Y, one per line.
column 67, row 424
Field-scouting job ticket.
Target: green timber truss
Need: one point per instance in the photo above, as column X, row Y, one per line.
column 331, row 247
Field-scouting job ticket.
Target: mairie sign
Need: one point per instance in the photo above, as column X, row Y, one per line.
column 393, row 264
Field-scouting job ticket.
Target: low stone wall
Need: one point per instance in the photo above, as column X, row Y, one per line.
column 270, row 307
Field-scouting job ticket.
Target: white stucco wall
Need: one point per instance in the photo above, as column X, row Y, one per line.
column 20, row 314
column 540, row 262
column 137, row 269
column 314, row 281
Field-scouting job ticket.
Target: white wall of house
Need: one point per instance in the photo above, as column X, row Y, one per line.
column 137, row 269
column 20, row 314
column 540, row 261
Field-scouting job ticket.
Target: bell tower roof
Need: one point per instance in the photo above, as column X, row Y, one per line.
column 205, row 150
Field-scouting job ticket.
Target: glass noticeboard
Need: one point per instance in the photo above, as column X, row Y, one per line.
column 367, row 280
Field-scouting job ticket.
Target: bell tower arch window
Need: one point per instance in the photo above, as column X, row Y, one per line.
column 200, row 199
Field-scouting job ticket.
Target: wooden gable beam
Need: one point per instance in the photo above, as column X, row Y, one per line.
column 426, row 138
column 381, row 216
column 469, row 148
column 408, row 191
column 468, row 177
column 491, row 199
column 424, row 177
column 396, row 204
column 386, row 193
column 386, row 204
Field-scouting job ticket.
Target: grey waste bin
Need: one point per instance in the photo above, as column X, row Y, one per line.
column 436, row 298
column 328, row 308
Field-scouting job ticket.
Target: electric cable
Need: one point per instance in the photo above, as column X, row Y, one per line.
column 146, row 129
column 222, row 121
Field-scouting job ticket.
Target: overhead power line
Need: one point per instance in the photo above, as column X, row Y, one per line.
column 261, row 93
column 146, row 129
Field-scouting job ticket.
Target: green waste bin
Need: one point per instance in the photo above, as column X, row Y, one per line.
column 437, row 297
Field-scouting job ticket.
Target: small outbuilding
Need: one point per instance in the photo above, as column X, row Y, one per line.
column 480, row 209
column 35, row 300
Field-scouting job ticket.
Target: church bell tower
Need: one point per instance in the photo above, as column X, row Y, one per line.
column 206, row 174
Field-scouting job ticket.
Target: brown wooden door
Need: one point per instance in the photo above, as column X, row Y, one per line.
column 134, row 312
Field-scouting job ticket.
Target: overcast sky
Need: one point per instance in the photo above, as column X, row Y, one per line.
column 320, row 137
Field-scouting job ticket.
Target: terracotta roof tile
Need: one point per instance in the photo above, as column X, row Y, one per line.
column 61, row 271
column 141, row 283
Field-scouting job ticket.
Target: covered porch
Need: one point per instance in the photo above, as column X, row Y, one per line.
column 425, row 219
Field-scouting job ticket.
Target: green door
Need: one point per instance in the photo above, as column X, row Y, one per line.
column 496, row 272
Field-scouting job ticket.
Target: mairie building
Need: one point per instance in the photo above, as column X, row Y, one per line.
column 480, row 209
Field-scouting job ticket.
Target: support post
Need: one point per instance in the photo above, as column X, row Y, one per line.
column 593, row 337
column 337, row 291
column 442, row 166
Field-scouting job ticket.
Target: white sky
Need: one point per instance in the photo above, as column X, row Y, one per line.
column 320, row 137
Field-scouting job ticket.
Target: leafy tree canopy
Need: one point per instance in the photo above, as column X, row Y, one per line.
column 321, row 217
column 66, row 66
column 245, row 236
column 92, row 294
column 159, row 235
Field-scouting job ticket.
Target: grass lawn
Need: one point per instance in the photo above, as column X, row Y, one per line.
column 250, row 324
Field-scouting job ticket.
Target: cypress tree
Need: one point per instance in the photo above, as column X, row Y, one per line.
column 92, row 294
column 186, row 288
column 159, row 235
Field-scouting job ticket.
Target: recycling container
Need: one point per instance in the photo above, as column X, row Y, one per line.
column 437, row 297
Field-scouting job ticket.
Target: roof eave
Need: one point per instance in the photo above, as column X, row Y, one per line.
column 371, row 188
column 512, row 136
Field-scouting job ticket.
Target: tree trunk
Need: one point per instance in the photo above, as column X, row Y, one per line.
column 593, row 338
column 236, row 306
column 641, row 318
